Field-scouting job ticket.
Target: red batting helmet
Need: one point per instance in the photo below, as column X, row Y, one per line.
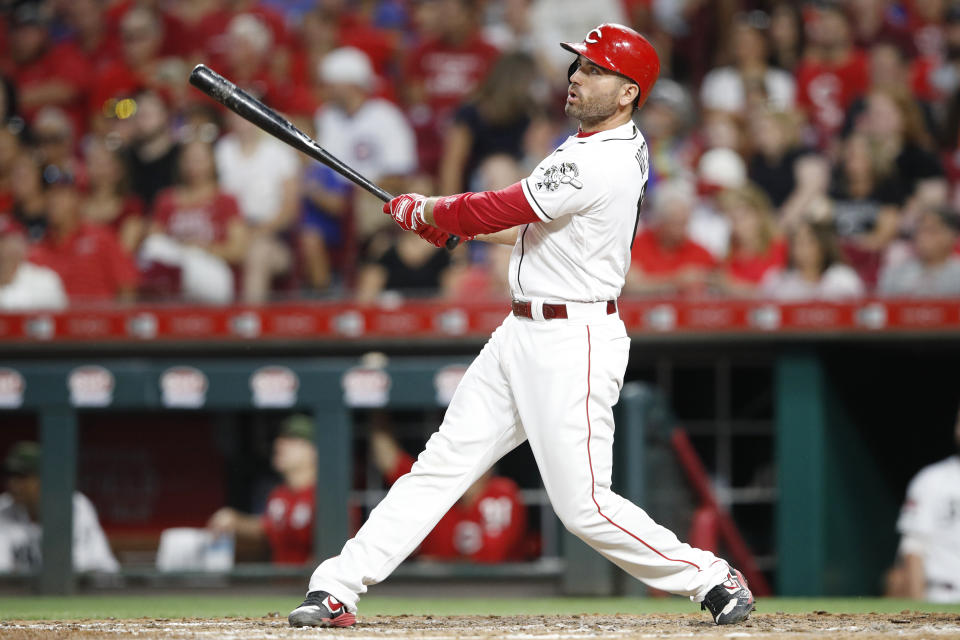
column 620, row 49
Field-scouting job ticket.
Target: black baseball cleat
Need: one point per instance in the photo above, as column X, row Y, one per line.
column 730, row 601
column 321, row 609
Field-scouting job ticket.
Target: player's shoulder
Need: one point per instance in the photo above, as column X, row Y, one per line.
column 607, row 150
column 936, row 473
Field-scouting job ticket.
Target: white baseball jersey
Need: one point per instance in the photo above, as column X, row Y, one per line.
column 20, row 539
column 376, row 141
column 930, row 525
column 587, row 194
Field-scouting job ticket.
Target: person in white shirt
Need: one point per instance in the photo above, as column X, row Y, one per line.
column 929, row 523
column 20, row 530
column 749, row 79
column 815, row 269
column 25, row 286
column 263, row 174
column 369, row 134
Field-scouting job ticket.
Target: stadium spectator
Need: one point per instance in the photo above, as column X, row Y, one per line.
column 867, row 197
column 755, row 245
column 21, row 529
column 512, row 31
column 108, row 200
column 197, row 228
column 326, row 204
column 24, row 286
column 89, row 259
column 894, row 124
column 404, row 267
column 247, row 60
column 934, row 269
column 786, row 34
column 140, row 67
column 442, row 71
column 487, row 525
column 749, row 81
column 26, row 190
column 665, row 260
column 212, row 32
column 44, row 73
column 832, row 72
column 718, row 169
column 55, row 146
column 263, row 174
column 775, row 142
column 568, row 21
column 368, row 133
column 286, row 525
column 815, row 268
column 153, row 152
column 666, row 120
column 879, row 21
column 90, row 32
column 493, row 122
column 929, row 525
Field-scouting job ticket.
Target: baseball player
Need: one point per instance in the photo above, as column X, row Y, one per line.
column 551, row 373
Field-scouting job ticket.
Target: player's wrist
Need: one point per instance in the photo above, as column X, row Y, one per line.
column 426, row 211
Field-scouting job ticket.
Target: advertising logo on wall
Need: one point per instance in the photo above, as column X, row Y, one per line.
column 91, row 386
column 183, row 388
column 274, row 386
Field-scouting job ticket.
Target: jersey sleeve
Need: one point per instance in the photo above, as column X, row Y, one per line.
column 568, row 183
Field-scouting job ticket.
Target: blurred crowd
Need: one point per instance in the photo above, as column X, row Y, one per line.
column 798, row 149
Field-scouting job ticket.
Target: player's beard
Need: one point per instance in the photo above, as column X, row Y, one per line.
column 595, row 110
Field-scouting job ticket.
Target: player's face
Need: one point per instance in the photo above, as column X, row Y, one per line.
column 290, row 454
column 594, row 93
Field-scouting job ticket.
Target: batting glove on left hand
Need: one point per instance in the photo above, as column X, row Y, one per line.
column 407, row 211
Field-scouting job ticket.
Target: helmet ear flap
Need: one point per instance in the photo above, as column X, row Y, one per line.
column 572, row 69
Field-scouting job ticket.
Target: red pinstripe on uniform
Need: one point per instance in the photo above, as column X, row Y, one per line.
column 593, row 483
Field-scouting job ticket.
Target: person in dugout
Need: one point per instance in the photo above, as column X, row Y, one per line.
column 286, row 524
column 488, row 524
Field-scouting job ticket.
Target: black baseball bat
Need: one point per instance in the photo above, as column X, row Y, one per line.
column 249, row 108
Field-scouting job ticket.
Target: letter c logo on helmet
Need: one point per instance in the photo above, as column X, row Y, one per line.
column 621, row 49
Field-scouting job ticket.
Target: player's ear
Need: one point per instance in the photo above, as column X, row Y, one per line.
column 628, row 93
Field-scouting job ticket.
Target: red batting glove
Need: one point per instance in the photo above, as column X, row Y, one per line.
column 436, row 237
column 407, row 211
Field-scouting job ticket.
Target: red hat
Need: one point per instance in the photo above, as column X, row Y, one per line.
column 621, row 49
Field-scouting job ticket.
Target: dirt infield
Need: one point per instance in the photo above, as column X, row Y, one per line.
column 761, row 625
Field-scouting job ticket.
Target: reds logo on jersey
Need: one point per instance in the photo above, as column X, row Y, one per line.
column 563, row 173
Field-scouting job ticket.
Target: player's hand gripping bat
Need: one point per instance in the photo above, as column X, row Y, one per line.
column 251, row 109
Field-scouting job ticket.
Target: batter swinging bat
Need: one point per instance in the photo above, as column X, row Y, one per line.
column 249, row 108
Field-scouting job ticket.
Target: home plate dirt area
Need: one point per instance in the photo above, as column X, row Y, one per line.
column 760, row 625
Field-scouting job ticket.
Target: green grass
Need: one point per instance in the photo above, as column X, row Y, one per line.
column 207, row 606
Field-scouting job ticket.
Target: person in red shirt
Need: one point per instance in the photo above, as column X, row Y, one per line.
column 444, row 70
column 832, row 73
column 287, row 523
column 488, row 524
column 197, row 228
column 664, row 260
column 89, row 259
column 755, row 246
column 45, row 74
column 90, row 32
column 139, row 67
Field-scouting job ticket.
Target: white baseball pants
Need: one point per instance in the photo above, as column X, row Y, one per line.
column 554, row 383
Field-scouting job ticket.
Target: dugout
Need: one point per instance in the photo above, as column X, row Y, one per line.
column 810, row 426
